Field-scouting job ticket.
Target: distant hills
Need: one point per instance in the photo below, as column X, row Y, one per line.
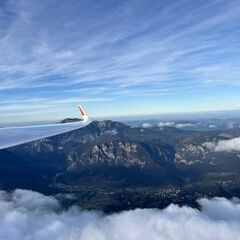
column 69, row 120
column 112, row 166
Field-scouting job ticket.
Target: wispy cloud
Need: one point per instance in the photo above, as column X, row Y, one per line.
column 23, row 105
column 124, row 49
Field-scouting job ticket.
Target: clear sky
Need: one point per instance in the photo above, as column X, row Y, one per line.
column 117, row 57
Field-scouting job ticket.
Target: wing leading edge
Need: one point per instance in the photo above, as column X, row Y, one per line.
column 13, row 136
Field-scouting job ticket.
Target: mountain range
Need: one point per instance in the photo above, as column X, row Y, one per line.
column 113, row 166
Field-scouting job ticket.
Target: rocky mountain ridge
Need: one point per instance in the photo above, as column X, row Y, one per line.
column 111, row 155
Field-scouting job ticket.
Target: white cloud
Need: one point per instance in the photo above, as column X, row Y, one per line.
column 221, row 209
column 173, row 124
column 183, row 125
column 82, row 56
column 166, row 124
column 229, row 145
column 146, row 125
column 153, row 54
column 27, row 106
column 29, row 215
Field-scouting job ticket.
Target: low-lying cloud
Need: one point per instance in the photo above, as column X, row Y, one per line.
column 229, row 145
column 146, row 125
column 183, row 125
column 166, row 124
column 176, row 125
column 29, row 215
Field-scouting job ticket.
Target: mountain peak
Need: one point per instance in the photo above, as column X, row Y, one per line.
column 108, row 124
column 69, row 120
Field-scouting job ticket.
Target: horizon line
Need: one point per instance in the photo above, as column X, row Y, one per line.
column 136, row 117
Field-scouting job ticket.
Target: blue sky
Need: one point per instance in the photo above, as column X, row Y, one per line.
column 117, row 58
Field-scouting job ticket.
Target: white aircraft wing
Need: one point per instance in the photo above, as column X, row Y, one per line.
column 13, row 136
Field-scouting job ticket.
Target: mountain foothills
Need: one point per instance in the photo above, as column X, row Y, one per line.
column 112, row 166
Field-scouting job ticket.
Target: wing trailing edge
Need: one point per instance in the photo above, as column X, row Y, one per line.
column 13, row 136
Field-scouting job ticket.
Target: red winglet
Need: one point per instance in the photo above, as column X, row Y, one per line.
column 81, row 111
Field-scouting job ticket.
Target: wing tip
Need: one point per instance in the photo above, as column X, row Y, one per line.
column 83, row 113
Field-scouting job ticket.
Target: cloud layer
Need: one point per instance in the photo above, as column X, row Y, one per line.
column 29, row 215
